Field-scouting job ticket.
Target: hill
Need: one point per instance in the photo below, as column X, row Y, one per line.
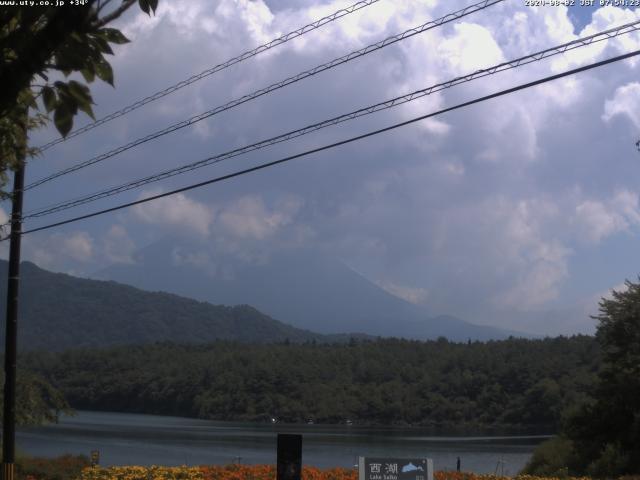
column 300, row 287
column 59, row 311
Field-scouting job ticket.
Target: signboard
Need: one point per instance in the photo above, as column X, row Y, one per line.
column 382, row 468
column 95, row 458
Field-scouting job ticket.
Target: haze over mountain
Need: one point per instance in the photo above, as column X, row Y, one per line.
column 59, row 311
column 300, row 287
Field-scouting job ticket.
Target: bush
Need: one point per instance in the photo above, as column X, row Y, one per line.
column 66, row 467
column 553, row 458
column 611, row 462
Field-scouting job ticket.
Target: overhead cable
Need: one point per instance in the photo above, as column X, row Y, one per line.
column 210, row 71
column 336, row 144
column 387, row 104
column 275, row 86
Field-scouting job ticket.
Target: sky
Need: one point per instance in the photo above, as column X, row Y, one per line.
column 520, row 212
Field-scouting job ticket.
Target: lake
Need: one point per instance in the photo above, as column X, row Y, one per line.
column 130, row 439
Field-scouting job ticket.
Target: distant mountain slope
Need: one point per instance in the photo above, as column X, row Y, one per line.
column 299, row 287
column 58, row 311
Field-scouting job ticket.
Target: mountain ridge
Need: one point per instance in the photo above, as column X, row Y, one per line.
column 302, row 288
column 59, row 311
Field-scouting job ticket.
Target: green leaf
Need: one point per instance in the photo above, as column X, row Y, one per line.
column 86, row 108
column 144, row 6
column 82, row 96
column 49, row 98
column 63, row 119
column 154, row 5
column 104, row 72
column 102, row 45
column 31, row 101
column 27, row 98
column 113, row 35
column 88, row 73
column 80, row 91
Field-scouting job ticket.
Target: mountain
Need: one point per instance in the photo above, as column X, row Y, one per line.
column 59, row 311
column 297, row 286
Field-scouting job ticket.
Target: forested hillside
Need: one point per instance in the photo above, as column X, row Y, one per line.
column 60, row 311
column 516, row 382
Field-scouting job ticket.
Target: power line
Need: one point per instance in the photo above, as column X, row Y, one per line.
column 275, row 86
column 387, row 104
column 342, row 142
column 210, row 71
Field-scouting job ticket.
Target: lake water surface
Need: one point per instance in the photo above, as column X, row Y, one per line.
column 129, row 439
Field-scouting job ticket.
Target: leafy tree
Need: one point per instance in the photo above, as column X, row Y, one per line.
column 606, row 431
column 35, row 43
column 601, row 436
column 37, row 400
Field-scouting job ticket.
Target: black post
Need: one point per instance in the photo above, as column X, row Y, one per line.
column 11, row 335
column 289, row 457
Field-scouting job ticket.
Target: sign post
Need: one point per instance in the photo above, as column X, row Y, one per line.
column 95, row 458
column 378, row 468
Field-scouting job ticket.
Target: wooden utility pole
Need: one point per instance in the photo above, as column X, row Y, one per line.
column 11, row 331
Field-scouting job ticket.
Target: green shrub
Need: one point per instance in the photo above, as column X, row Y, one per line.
column 552, row 458
column 611, row 463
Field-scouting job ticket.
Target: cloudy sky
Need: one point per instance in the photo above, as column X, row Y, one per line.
column 521, row 211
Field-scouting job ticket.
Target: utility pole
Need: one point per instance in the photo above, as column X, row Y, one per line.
column 11, row 332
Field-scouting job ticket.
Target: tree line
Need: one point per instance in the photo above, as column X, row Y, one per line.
column 510, row 383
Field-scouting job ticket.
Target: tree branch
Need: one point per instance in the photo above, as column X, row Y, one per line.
column 115, row 14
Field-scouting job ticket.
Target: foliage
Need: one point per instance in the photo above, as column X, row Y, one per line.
column 40, row 44
column 142, row 473
column 605, row 431
column 550, row 459
column 37, row 401
column 66, row 467
column 436, row 383
column 260, row 472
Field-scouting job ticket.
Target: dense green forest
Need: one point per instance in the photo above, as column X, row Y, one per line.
column 510, row 383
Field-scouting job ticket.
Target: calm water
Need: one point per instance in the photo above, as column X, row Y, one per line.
column 128, row 439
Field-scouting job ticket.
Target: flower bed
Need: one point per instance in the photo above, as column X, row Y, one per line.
column 261, row 472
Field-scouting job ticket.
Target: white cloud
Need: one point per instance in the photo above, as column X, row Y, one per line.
column 60, row 251
column 626, row 102
column 489, row 202
column 415, row 295
column 118, row 245
column 200, row 259
column 249, row 217
column 539, row 262
column 175, row 212
column 597, row 220
column 78, row 246
column 471, row 48
column 540, row 281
